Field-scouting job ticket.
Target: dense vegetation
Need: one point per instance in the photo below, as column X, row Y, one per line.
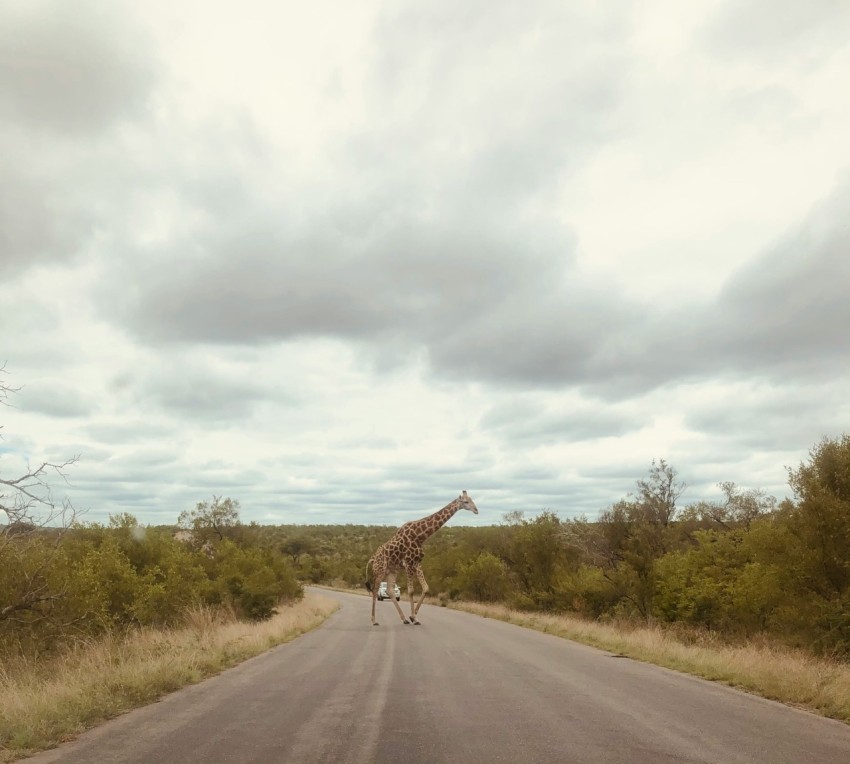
column 742, row 565
column 59, row 585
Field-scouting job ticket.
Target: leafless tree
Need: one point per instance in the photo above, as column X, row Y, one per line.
column 30, row 517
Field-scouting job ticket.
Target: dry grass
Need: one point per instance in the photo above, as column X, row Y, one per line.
column 44, row 704
column 789, row 676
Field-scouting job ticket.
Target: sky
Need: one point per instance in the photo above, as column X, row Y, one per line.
column 341, row 261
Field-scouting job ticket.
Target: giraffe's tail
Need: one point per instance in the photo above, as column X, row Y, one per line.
column 368, row 577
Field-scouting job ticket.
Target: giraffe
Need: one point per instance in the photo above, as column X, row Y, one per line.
column 404, row 551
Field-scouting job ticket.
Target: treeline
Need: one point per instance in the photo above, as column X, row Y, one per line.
column 58, row 585
column 741, row 565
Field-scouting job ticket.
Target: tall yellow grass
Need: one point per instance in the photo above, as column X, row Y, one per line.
column 789, row 676
column 44, row 704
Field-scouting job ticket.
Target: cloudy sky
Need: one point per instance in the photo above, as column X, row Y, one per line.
column 340, row 261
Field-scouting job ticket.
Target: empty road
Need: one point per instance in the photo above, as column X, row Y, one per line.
column 457, row 689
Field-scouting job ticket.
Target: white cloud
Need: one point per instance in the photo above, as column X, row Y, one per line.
column 341, row 263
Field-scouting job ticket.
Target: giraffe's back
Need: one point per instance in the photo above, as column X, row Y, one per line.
column 401, row 551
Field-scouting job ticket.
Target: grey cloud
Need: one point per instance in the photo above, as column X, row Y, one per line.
column 389, row 495
column 431, row 232
column 406, row 480
column 205, row 398
column 369, row 443
column 529, row 423
column 551, row 338
column 41, row 220
column 261, row 282
column 168, row 483
column 399, row 493
column 778, row 29
column 534, row 474
column 36, row 220
column 771, row 420
column 488, row 306
column 144, row 458
column 624, row 473
column 564, row 498
column 56, row 400
column 774, row 108
column 198, row 390
column 492, row 107
column 431, row 241
column 700, row 473
column 70, row 74
column 58, row 201
column 789, row 308
column 781, row 316
column 71, row 68
column 127, row 431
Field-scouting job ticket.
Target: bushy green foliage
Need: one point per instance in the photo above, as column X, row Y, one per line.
column 212, row 521
column 740, row 566
column 93, row 578
column 251, row 580
column 61, row 581
column 723, row 583
column 819, row 524
column 484, row 579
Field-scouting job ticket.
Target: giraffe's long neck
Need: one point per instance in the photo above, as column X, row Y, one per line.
column 428, row 526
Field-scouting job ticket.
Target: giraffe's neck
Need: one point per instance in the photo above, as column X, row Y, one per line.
column 428, row 526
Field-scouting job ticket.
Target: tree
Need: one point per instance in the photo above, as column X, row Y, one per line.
column 632, row 535
column 253, row 581
column 211, row 521
column 296, row 546
column 30, row 536
column 822, row 516
column 658, row 493
column 730, row 580
column 484, row 579
column 537, row 556
column 739, row 508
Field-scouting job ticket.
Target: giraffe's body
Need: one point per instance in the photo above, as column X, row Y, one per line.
column 404, row 551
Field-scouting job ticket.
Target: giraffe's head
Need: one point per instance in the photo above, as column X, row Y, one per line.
column 466, row 502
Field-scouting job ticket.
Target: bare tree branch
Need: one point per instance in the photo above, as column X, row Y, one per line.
column 30, row 537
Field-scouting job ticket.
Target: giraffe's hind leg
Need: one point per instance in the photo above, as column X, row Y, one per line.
column 424, row 584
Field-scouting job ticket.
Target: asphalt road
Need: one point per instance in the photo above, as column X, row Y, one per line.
column 457, row 689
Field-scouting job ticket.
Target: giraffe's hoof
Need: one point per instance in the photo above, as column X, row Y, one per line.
column 417, row 623
column 405, row 622
column 376, row 624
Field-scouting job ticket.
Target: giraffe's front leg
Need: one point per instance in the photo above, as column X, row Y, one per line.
column 378, row 573
column 424, row 584
column 410, row 574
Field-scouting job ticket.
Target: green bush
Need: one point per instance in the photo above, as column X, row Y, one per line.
column 484, row 579
column 252, row 581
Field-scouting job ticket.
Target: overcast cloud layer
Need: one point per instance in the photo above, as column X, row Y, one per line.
column 341, row 263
